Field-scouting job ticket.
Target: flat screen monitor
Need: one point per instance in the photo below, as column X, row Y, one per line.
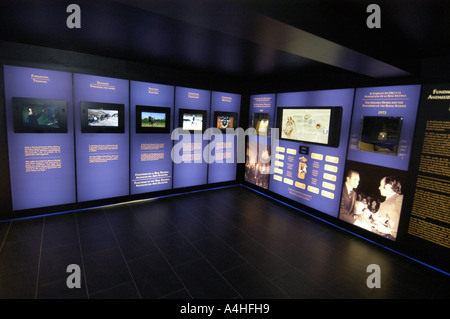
column 152, row 119
column 32, row 115
column 380, row 134
column 193, row 121
column 99, row 117
column 315, row 125
column 260, row 123
column 224, row 120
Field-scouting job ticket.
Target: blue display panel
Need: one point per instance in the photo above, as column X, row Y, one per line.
column 192, row 107
column 40, row 137
column 258, row 148
column 383, row 125
column 151, row 122
column 225, row 109
column 101, row 137
column 309, row 170
column 380, row 145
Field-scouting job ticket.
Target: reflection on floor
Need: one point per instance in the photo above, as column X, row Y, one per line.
column 226, row 243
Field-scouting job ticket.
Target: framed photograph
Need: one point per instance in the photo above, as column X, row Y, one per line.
column 99, row 117
column 32, row 115
column 152, row 119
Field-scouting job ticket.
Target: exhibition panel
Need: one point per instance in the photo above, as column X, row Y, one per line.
column 40, row 137
column 192, row 107
column 309, row 157
column 101, row 136
column 428, row 227
column 222, row 153
column 383, row 125
column 380, row 148
column 151, row 122
column 258, row 148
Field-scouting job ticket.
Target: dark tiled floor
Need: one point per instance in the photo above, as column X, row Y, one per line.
column 229, row 243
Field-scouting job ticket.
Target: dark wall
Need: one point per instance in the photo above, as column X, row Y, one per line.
column 5, row 191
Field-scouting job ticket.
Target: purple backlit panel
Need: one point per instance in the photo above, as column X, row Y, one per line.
column 312, row 174
column 386, row 148
column 150, row 157
column 190, row 168
column 41, row 164
column 102, row 158
column 258, row 146
column 223, row 149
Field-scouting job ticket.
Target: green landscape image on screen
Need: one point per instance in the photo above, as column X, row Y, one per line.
column 153, row 119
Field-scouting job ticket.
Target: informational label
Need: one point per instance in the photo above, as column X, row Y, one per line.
column 430, row 212
column 192, row 152
column 42, row 158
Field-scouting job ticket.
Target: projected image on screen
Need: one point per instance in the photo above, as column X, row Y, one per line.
column 193, row 121
column 307, row 125
column 103, row 117
column 380, row 134
column 39, row 115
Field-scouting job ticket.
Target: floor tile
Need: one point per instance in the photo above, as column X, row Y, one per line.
column 251, row 284
column 177, row 249
column 203, row 281
column 105, row 269
column 154, row 277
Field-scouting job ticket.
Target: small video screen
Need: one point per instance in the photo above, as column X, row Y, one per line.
column 39, row 115
column 380, row 134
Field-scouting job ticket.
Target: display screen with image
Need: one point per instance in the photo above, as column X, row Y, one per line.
column 192, row 120
column 39, row 115
column 316, row 125
column 224, row 120
column 260, row 123
column 380, row 134
column 102, row 117
column 152, row 119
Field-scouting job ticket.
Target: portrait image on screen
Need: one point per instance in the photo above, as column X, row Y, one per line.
column 316, row 125
column 224, row 120
column 150, row 119
column 380, row 134
column 193, row 121
column 102, row 117
column 39, row 115
column 260, row 123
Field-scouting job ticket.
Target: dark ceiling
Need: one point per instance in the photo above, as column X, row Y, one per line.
column 243, row 38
